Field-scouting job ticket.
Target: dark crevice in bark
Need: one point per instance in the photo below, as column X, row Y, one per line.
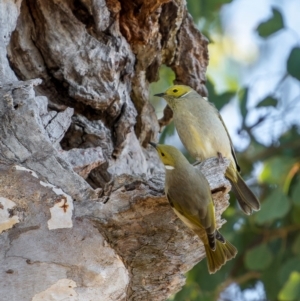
column 81, row 12
column 57, row 89
column 99, row 58
column 100, row 177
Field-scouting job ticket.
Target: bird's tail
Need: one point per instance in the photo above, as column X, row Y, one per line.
column 216, row 259
column 246, row 198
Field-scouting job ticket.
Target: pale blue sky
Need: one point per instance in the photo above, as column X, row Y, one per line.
column 260, row 64
column 240, row 18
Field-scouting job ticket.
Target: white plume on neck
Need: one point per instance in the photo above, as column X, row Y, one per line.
column 169, row 167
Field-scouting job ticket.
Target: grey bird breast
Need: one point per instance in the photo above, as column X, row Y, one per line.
column 200, row 129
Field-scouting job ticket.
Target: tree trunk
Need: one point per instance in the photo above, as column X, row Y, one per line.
column 82, row 210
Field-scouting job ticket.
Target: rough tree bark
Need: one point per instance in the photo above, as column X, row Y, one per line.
column 82, row 210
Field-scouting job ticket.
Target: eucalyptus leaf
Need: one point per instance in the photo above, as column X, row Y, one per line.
column 276, row 169
column 293, row 63
column 219, row 100
column 296, row 245
column 289, row 266
column 258, row 258
column 269, row 101
column 243, row 97
column 222, row 99
column 272, row 285
column 295, row 215
column 272, row 25
column 276, row 205
column 168, row 131
column 291, row 289
column 296, row 194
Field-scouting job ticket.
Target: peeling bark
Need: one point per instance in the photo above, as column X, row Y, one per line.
column 82, row 210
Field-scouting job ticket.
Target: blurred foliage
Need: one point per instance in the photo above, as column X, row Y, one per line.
column 268, row 101
column 219, row 99
column 206, row 14
column 293, row 63
column 272, row 25
column 267, row 266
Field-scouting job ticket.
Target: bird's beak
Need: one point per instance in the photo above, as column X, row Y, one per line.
column 153, row 144
column 160, row 94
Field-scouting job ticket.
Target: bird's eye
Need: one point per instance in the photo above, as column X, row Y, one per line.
column 163, row 154
column 175, row 90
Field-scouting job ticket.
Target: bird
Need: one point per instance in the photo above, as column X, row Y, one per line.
column 203, row 132
column 189, row 195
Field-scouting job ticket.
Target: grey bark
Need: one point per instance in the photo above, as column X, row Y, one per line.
column 83, row 215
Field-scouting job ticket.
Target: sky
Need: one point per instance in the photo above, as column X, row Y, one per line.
column 242, row 57
column 262, row 64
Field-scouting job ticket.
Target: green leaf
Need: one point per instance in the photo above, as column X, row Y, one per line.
column 210, row 88
column 291, row 265
column 291, row 289
column 168, row 131
column 205, row 9
column 243, row 97
column 258, row 258
column 276, row 170
column 219, row 100
column 296, row 194
column 293, row 63
column 269, row 101
column 296, row 245
column 272, row 25
column 295, row 215
column 222, row 99
column 276, row 205
column 272, row 285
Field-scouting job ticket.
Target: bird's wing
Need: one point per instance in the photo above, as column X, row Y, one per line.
column 231, row 145
column 201, row 214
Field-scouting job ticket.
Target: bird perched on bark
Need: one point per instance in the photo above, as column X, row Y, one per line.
column 189, row 195
column 204, row 134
